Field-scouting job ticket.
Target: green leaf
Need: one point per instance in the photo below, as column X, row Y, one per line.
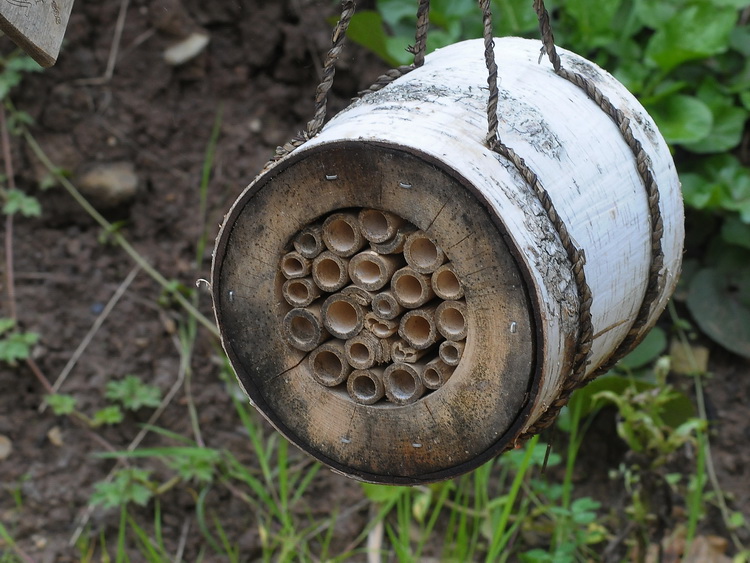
column 584, row 510
column 394, row 12
column 130, row 484
column 61, row 405
column 513, row 18
column 18, row 202
column 714, row 300
column 108, row 415
column 384, row 493
column 6, row 325
column 594, row 17
column 682, row 119
column 677, row 409
column 133, row 393
column 23, row 63
column 728, row 120
column 739, row 39
column 699, row 30
column 726, row 133
column 647, row 351
column 17, row 346
column 366, row 29
column 656, row 13
column 734, row 231
column 196, row 463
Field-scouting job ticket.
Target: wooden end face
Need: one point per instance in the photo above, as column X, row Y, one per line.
column 374, row 313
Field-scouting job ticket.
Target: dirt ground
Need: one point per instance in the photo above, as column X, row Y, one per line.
column 261, row 67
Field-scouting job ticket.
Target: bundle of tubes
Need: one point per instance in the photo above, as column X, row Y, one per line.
column 377, row 305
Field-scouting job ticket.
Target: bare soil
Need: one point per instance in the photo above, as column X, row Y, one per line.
column 261, row 68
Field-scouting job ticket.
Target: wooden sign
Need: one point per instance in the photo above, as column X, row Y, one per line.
column 37, row 26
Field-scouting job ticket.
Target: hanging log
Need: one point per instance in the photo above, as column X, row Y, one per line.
column 412, row 157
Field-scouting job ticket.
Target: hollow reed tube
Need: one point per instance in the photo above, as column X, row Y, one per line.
column 436, row 373
column 330, row 272
column 381, row 328
column 403, row 383
column 451, row 352
column 294, row 265
column 300, row 292
column 342, row 316
column 395, row 244
column 341, row 234
column 418, row 327
column 328, row 364
column 309, row 242
column 303, row 328
column 372, row 271
column 411, row 288
column 451, row 320
column 364, row 350
column 422, row 254
column 366, row 386
column 445, row 283
column 385, row 305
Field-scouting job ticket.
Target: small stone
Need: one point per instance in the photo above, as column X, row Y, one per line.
column 54, row 435
column 109, row 185
column 6, row 447
column 187, row 49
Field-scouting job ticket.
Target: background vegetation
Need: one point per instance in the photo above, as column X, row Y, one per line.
column 688, row 61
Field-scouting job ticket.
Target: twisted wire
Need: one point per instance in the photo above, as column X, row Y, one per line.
column 348, row 7
column 423, row 23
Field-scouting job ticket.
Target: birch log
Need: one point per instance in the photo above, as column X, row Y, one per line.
column 416, row 150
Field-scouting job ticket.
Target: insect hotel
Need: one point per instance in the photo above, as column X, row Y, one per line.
column 419, row 285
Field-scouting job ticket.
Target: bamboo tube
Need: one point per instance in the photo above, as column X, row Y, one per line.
column 294, row 265
column 410, row 288
column 328, row 364
column 451, row 320
column 403, row 383
column 423, row 254
column 385, row 306
column 418, row 327
column 341, row 234
column 300, row 292
column 402, row 352
column 378, row 226
column 445, row 283
column 309, row 242
column 436, row 373
column 372, row 271
column 342, row 316
column 303, row 328
column 451, row 352
column 381, row 328
column 361, row 296
column 366, row 386
column 396, row 244
column 364, row 350
column 330, row 272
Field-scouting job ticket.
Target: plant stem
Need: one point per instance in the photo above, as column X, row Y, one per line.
column 9, row 217
column 705, row 443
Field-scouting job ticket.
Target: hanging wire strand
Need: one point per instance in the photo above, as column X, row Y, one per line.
column 348, row 7
column 423, row 25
